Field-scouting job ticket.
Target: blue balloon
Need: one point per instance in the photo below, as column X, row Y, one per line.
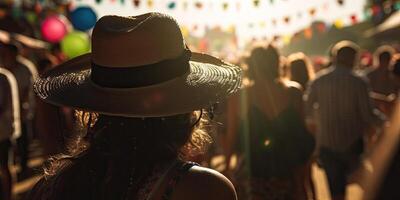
column 83, row 18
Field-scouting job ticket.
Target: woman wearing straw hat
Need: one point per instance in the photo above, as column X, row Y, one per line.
column 138, row 90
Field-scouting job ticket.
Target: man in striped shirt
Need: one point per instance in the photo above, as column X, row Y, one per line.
column 339, row 103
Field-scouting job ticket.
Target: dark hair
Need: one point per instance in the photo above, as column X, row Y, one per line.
column 345, row 52
column 383, row 54
column 300, row 69
column 396, row 66
column 264, row 62
column 122, row 143
column 13, row 47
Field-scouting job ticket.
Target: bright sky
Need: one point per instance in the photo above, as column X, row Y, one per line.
column 250, row 21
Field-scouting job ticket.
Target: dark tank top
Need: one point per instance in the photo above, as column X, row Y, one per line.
column 277, row 145
column 78, row 186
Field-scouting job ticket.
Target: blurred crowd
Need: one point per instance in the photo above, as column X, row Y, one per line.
column 328, row 111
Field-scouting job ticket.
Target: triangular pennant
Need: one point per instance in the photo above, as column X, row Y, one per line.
column 199, row 5
column 308, row 33
column 256, row 3
column 286, row 19
column 185, row 5
column 312, row 12
column 171, row 5
column 136, row 3
column 274, row 22
column 321, row 27
column 225, row 6
column 354, row 19
column 150, row 3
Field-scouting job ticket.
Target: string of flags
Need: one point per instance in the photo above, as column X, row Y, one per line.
column 226, row 5
column 198, row 4
column 259, row 23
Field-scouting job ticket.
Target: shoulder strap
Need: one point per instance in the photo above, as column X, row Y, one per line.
column 157, row 185
column 181, row 171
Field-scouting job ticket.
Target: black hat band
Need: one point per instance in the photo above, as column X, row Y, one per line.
column 140, row 76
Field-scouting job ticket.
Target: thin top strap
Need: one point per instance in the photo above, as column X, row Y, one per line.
column 181, row 171
column 157, row 185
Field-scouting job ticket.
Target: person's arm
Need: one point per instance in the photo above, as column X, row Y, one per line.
column 296, row 97
column 232, row 121
column 310, row 99
column 369, row 114
column 204, row 184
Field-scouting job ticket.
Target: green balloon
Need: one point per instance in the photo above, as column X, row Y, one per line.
column 75, row 44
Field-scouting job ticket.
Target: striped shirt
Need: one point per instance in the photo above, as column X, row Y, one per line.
column 339, row 103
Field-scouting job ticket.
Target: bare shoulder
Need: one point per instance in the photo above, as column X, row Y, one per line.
column 202, row 183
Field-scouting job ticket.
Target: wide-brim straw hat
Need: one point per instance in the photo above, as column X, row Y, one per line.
column 139, row 66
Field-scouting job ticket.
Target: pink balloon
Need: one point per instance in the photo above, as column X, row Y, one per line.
column 54, row 28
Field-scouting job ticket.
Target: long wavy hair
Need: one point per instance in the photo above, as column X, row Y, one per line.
column 107, row 148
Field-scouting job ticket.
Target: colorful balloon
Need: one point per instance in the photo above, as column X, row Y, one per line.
column 83, row 18
column 54, row 28
column 75, row 44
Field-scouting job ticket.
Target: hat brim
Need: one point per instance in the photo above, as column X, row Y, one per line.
column 208, row 81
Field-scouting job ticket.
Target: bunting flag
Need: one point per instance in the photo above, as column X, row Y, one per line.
column 338, row 24
column 321, row 27
column 292, row 19
column 354, row 19
column 171, row 5
column 185, row 5
column 231, row 29
column 150, row 3
column 308, row 33
column 376, row 10
column 325, row 7
column 286, row 20
column 199, row 5
column 238, row 6
column 262, row 24
column 312, row 12
column 225, row 6
column 274, row 22
column 136, row 3
column 256, row 3
column 368, row 13
column 250, row 25
column 299, row 15
column 286, row 39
